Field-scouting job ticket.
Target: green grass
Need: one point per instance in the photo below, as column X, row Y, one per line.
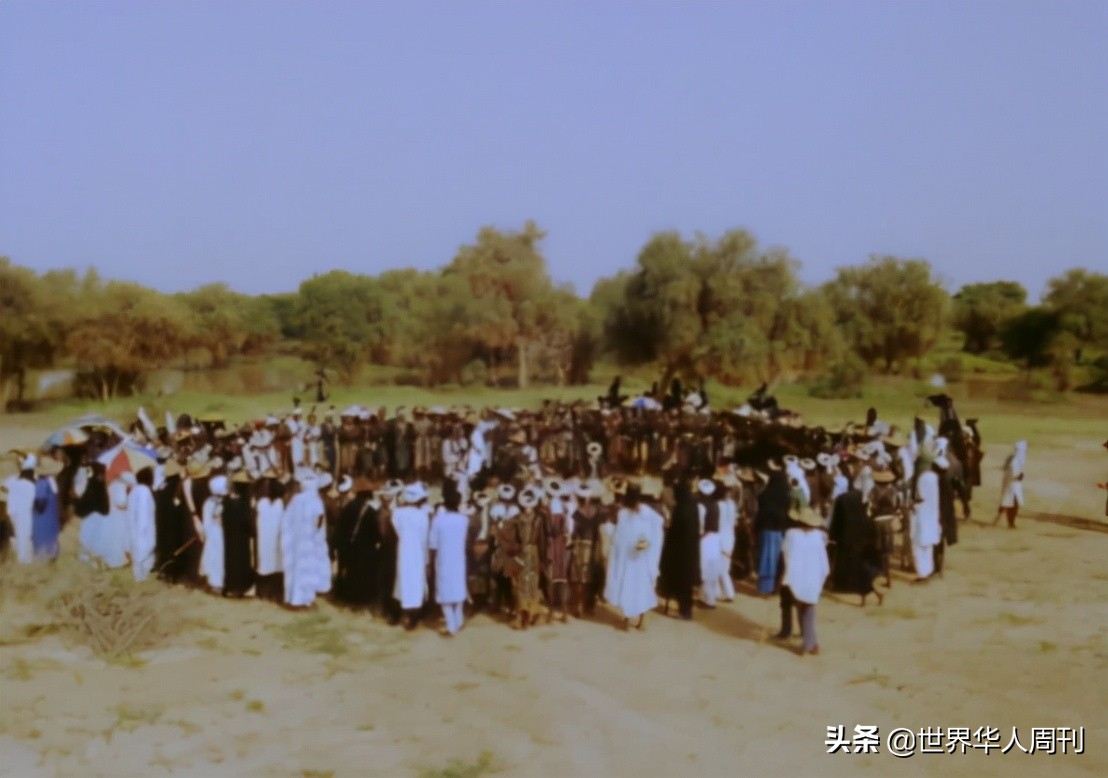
column 313, row 632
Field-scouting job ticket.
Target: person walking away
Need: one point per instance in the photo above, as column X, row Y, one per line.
column 412, row 524
column 804, row 552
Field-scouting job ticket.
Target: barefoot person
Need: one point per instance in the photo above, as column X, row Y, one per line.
column 633, row 565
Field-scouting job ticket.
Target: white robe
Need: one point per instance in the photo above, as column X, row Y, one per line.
column 306, row 574
column 108, row 537
column 926, row 529
column 448, row 541
column 632, row 573
column 412, row 525
column 1011, row 489
column 806, row 563
column 21, row 502
column 140, row 510
column 268, row 534
column 211, row 559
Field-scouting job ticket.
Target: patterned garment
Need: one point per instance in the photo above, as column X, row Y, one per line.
column 525, row 579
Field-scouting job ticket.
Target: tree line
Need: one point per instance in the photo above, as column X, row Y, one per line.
column 727, row 309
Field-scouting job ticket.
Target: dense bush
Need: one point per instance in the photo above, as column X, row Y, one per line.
column 844, row 380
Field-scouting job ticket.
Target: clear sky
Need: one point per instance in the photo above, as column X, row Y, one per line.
column 257, row 143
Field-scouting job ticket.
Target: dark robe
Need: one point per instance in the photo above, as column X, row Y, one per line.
column 356, row 538
column 169, row 517
column 855, row 539
column 680, row 562
column 238, row 529
column 94, row 499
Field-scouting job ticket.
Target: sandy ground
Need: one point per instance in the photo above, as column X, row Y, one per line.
column 1014, row 635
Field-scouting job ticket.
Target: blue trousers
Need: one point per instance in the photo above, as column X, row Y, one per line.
column 768, row 554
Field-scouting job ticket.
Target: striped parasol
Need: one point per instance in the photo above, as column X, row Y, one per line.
column 67, row 436
column 128, row 456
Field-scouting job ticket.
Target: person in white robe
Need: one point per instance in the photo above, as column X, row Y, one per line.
column 711, row 553
column 728, row 521
column 211, row 558
column 1011, row 487
column 267, row 544
column 926, row 528
column 449, row 530
column 321, row 552
column 300, row 526
column 804, row 549
column 21, row 502
column 116, row 536
column 411, row 521
column 140, row 510
column 634, row 558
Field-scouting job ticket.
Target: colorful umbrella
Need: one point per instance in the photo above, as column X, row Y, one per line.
column 67, row 436
column 128, row 456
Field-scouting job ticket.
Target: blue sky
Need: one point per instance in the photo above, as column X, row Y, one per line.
column 258, row 143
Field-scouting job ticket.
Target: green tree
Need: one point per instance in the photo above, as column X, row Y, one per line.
column 225, row 322
column 1080, row 297
column 889, row 309
column 124, row 330
column 715, row 308
column 981, row 310
column 517, row 302
column 343, row 318
column 1029, row 336
column 34, row 318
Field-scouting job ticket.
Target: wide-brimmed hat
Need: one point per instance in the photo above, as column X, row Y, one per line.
column 772, row 464
column 883, row 476
column 198, row 469
column 806, row 515
column 616, row 485
column 241, row 477
column 807, row 464
column 594, row 449
column 823, row 459
column 506, row 492
column 584, row 491
column 482, row 498
column 706, row 487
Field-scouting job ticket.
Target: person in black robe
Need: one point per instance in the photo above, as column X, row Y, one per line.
column 679, row 567
column 857, row 558
column 95, row 497
column 357, row 536
column 169, row 518
column 947, row 519
column 238, row 529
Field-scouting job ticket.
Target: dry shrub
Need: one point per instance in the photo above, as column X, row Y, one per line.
column 114, row 616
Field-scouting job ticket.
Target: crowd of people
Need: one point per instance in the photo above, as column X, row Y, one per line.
column 531, row 514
